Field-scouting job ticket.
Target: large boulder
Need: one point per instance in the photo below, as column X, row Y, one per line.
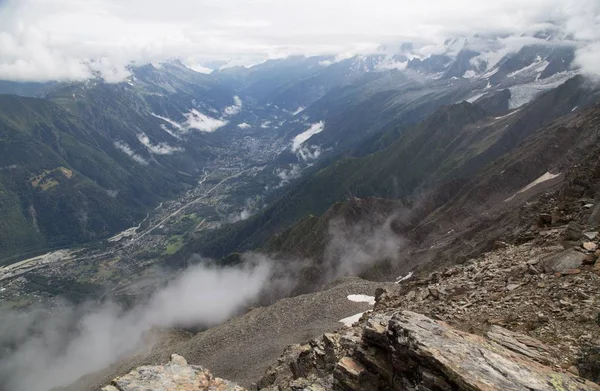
column 431, row 355
column 177, row 375
column 563, row 262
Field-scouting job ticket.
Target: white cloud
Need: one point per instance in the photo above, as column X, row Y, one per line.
column 288, row 175
column 315, row 128
column 73, row 40
column 73, row 341
column 244, row 125
column 202, row 122
column 169, row 121
column 159, row 149
column 194, row 120
column 310, row 152
column 129, row 152
column 235, row 108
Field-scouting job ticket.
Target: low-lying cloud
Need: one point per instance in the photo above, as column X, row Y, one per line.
column 55, row 350
column 124, row 147
column 202, row 122
column 354, row 248
column 286, row 175
column 234, row 109
column 158, row 149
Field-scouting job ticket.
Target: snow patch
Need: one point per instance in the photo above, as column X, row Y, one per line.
column 388, row 64
column 362, row 299
column 475, row 97
column 349, row 321
column 470, row 74
column 298, row 110
column 507, row 115
column 406, row 277
column 546, row 177
column 200, row 69
column 539, row 65
column 315, row 128
column 525, row 93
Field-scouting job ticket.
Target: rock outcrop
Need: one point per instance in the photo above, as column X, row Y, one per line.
column 177, row 375
column 409, row 351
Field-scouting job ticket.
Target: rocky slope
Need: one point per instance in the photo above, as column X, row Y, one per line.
column 402, row 350
column 409, row 351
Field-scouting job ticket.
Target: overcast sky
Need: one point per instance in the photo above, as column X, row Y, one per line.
column 63, row 39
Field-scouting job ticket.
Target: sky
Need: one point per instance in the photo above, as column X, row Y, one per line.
column 71, row 39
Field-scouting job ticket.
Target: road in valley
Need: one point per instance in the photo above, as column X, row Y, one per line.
column 195, row 201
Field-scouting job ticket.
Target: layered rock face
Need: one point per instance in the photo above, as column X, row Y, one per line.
column 409, row 351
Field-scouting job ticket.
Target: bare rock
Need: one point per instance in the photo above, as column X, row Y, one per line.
column 428, row 349
column 409, row 351
column 573, row 231
column 349, row 373
column 177, row 375
column 520, row 343
column 561, row 262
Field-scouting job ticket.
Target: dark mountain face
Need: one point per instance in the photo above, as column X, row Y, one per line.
column 64, row 181
column 450, row 146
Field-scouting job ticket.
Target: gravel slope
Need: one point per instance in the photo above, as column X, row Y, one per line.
column 242, row 348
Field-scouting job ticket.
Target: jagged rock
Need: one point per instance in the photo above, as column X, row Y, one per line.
column 590, row 246
column 561, row 262
column 177, row 375
column 573, row 231
column 590, row 259
column 520, row 343
column 432, row 350
column 544, row 219
column 409, row 351
column 591, row 235
column 434, row 293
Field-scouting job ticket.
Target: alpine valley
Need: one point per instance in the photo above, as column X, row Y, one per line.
column 463, row 184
